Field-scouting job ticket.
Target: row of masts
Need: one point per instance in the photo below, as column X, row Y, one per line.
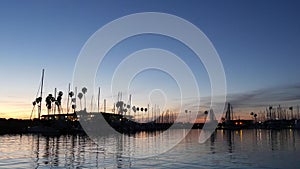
column 53, row 102
column 281, row 113
column 137, row 113
column 270, row 113
column 141, row 114
column 147, row 114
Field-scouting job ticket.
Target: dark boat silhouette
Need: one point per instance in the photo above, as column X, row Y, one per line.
column 59, row 123
column 121, row 121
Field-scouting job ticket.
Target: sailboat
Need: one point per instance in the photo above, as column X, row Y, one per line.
column 59, row 123
column 51, row 123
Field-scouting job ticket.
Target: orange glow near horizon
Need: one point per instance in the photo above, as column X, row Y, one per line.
column 16, row 114
column 15, row 107
column 22, row 108
column 23, row 112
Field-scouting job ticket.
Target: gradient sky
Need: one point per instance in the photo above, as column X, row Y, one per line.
column 257, row 41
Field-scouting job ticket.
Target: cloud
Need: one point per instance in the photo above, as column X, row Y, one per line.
column 287, row 94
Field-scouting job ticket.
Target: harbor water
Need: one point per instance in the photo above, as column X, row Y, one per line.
column 225, row 149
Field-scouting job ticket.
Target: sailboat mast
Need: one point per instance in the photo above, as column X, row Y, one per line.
column 129, row 112
column 104, row 105
column 75, row 99
column 69, row 89
column 92, row 103
column 41, row 94
column 99, row 100
column 54, row 109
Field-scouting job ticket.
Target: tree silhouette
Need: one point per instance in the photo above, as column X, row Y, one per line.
column 84, row 90
column 71, row 94
column 49, row 100
column 38, row 100
column 58, row 101
column 206, row 112
column 186, row 112
column 255, row 115
column 80, row 95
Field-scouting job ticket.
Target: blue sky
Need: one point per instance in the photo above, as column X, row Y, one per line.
column 258, row 43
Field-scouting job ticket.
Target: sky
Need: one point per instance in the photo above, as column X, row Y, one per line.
column 257, row 41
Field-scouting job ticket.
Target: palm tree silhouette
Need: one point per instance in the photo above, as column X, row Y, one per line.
column 71, row 94
column 255, row 115
column 58, row 101
column 205, row 113
column 80, row 95
column 84, row 90
column 49, row 100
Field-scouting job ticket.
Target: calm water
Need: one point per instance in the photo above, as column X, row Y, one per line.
column 226, row 149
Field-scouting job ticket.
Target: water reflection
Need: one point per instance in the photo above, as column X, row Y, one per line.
column 212, row 142
column 253, row 140
column 230, row 139
column 243, row 148
column 54, row 151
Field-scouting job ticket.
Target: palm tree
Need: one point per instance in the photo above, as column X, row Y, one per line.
column 186, row 112
column 84, row 90
column 292, row 116
column 205, row 114
column 80, row 95
column 49, row 100
column 255, row 115
column 190, row 116
column 71, row 94
column 270, row 108
column 58, row 101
